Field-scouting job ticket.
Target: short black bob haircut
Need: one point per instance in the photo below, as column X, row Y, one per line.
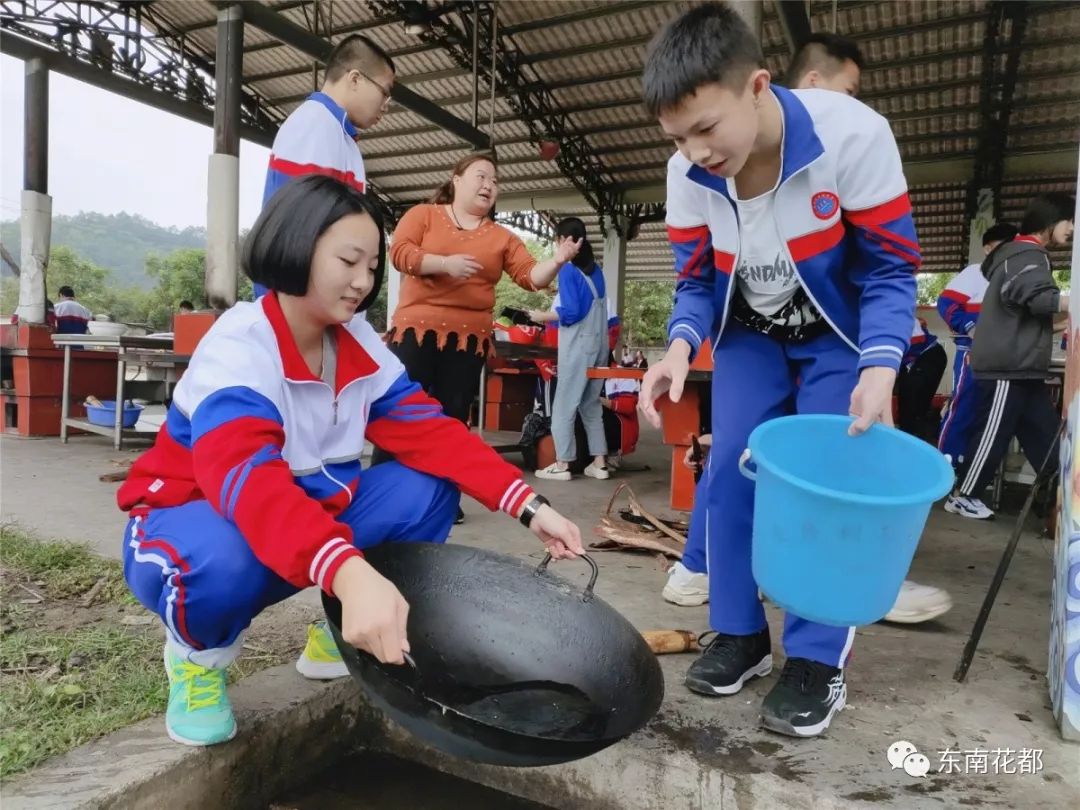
column 1046, row 211
column 999, row 232
column 278, row 250
column 708, row 44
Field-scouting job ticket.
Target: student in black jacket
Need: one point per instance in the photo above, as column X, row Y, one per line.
column 1010, row 354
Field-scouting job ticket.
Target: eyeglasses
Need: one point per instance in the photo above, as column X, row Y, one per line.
column 383, row 90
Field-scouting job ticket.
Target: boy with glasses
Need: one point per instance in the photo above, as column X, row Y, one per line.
column 321, row 136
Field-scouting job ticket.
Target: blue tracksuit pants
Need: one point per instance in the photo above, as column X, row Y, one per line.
column 757, row 378
column 194, row 569
column 959, row 417
column 694, row 554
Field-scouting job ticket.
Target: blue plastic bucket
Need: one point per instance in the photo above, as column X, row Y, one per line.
column 106, row 414
column 837, row 518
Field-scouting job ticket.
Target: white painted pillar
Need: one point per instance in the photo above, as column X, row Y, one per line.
column 222, row 230
column 223, row 186
column 393, row 291
column 614, row 264
column 36, row 211
column 36, row 227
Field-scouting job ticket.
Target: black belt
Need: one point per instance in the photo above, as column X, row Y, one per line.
column 743, row 313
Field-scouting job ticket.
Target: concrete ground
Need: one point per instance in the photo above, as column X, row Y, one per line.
column 701, row 753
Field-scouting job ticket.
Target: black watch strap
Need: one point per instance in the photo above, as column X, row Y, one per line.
column 531, row 508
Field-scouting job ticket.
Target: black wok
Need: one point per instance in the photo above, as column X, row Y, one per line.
column 513, row 665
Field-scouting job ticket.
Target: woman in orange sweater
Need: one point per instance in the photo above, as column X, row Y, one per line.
column 452, row 254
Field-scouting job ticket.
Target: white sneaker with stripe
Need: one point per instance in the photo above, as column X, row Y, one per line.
column 966, row 506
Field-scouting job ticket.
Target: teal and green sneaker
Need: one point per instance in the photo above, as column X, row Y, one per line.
column 199, row 711
column 321, row 660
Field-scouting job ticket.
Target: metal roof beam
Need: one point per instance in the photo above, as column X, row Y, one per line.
column 794, row 22
column 619, row 128
column 594, row 13
column 453, row 72
column 579, row 50
column 970, row 81
column 351, row 28
column 1062, row 163
column 996, row 98
column 502, row 68
column 205, row 24
column 19, row 48
column 304, row 41
column 446, row 73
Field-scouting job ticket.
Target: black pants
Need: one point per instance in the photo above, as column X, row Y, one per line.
column 450, row 375
column 1007, row 408
column 915, row 388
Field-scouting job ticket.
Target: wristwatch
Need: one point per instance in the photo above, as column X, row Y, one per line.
column 531, row 508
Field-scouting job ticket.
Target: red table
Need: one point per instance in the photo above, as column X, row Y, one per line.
column 681, row 420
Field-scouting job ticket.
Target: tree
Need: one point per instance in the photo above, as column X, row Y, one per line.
column 117, row 242
column 9, row 297
column 509, row 294
column 180, row 276
column 930, row 285
column 646, row 310
column 376, row 313
column 67, row 268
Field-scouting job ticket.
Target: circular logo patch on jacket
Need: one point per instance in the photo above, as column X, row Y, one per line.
column 824, row 204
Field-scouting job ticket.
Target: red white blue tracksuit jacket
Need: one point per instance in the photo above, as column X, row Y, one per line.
column 317, row 138
column 921, row 340
column 843, row 211
column 844, row 220
column 72, row 318
column 276, row 451
column 959, row 305
column 960, row 302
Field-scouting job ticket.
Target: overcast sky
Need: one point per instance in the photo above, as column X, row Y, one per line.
column 109, row 154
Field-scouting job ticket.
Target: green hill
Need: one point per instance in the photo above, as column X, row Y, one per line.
column 117, row 242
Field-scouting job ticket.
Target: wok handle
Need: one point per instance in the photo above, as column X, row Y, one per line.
column 587, row 595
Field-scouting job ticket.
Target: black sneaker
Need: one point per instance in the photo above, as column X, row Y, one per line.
column 460, row 517
column 804, row 700
column 729, row 662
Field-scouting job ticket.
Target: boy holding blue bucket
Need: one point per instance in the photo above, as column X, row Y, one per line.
column 795, row 249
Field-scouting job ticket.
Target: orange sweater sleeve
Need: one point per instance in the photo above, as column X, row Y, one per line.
column 518, row 262
column 406, row 250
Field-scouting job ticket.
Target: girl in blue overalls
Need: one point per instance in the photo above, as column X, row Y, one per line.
column 583, row 342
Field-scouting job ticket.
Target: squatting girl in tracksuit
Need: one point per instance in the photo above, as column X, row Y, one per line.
column 254, row 490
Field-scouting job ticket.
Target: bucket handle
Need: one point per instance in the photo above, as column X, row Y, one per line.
column 749, row 472
column 587, row 595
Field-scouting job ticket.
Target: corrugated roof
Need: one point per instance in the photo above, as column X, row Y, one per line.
column 924, row 73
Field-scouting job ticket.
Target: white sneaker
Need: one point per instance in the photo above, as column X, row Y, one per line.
column 599, row 473
column 686, row 588
column 552, row 473
column 968, row 507
column 918, row 603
